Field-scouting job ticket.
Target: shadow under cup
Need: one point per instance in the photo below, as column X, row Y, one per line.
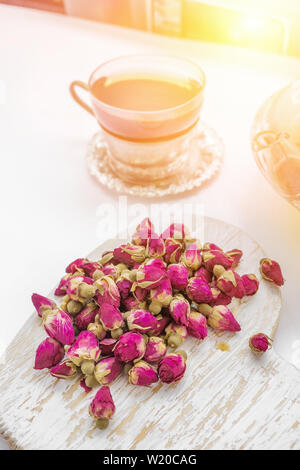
column 147, row 146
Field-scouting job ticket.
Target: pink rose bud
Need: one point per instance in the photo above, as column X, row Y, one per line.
column 271, row 271
column 86, row 316
column 80, row 288
column 155, row 247
column 177, row 231
column 75, row 265
column 192, row 258
column 129, row 254
column 174, row 249
column 107, row 270
column 97, row 329
column 204, row 274
column 231, row 284
column 197, row 326
column 251, row 283
column 162, row 322
column 85, row 347
column 142, row 374
column 144, row 231
column 42, row 303
column 58, row 325
column 235, row 256
column 130, row 347
column 107, row 370
column 151, row 274
column 180, row 309
column 110, row 317
column 171, row 368
column 221, row 318
column 214, row 257
column 175, row 334
column 64, row 370
column 160, row 296
column 89, row 267
column 49, row 353
column 107, row 292
column 219, row 298
column 124, row 284
column 141, row 321
column 178, row 275
column 156, row 349
column 62, row 286
column 102, row 407
column 107, row 346
column 199, row 290
column 260, row 343
column 131, row 303
column 211, row 246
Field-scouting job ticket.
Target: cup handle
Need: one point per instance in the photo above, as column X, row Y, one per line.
column 76, row 97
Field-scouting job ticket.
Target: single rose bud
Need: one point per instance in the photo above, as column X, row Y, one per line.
column 107, row 346
column 129, row 254
column 155, row 247
column 64, row 370
column 80, row 288
column 214, row 257
column 204, row 274
column 107, row 370
column 221, row 318
column 192, row 258
column 75, row 265
column 219, row 298
column 174, row 249
column 175, row 334
column 142, row 374
column 259, row 343
column 49, row 353
column 62, row 286
column 42, row 303
column 102, row 407
column 131, row 303
column 271, row 271
column 197, row 325
column 231, row 284
column 178, row 275
column 144, row 231
column 199, row 290
column 178, row 232
column 107, row 292
column 110, row 317
column 162, row 322
column 172, row 368
column 141, row 321
column 87, row 316
column 73, row 307
column 211, row 246
column 151, row 274
column 97, row 329
column 179, row 309
column 235, row 256
column 251, row 284
column 124, row 284
column 86, row 346
column 59, row 325
column 160, row 296
column 130, row 347
column 156, row 349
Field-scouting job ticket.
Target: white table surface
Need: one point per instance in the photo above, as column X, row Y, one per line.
column 48, row 199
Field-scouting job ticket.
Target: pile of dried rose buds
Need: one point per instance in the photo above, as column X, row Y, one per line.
column 124, row 311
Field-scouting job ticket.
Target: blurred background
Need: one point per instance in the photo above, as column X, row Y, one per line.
column 269, row 25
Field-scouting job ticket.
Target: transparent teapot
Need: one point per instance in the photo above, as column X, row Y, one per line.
column 276, row 142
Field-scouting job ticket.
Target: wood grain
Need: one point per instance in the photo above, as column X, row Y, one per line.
column 227, row 399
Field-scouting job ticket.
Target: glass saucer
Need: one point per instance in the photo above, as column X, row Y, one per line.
column 203, row 163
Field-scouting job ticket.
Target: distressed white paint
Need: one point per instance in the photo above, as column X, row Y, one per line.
column 227, row 399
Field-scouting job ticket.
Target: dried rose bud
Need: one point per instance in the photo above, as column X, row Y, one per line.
column 198, row 290
column 129, row 254
column 251, row 284
column 156, row 349
column 86, row 347
column 62, row 286
column 151, row 274
column 260, row 343
column 58, row 325
column 192, row 258
column 204, row 274
column 231, row 284
column 178, row 275
column 80, row 288
column 110, row 317
column 160, row 296
column 97, row 328
column 144, row 231
column 49, row 353
column 42, row 303
column 142, row 374
column 132, row 303
column 211, row 246
column 214, row 257
column 107, row 346
column 64, row 370
column 75, row 265
column 86, row 316
column 219, row 298
column 235, row 256
column 162, row 322
column 177, row 231
column 155, row 247
column 197, row 326
column 172, row 368
column 141, row 321
column 107, row 292
column 175, row 334
column 102, row 407
column 72, row 306
column 130, row 347
column 124, row 284
column 107, row 370
column 271, row 271
column 174, row 249
column 221, row 318
column 179, row 309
